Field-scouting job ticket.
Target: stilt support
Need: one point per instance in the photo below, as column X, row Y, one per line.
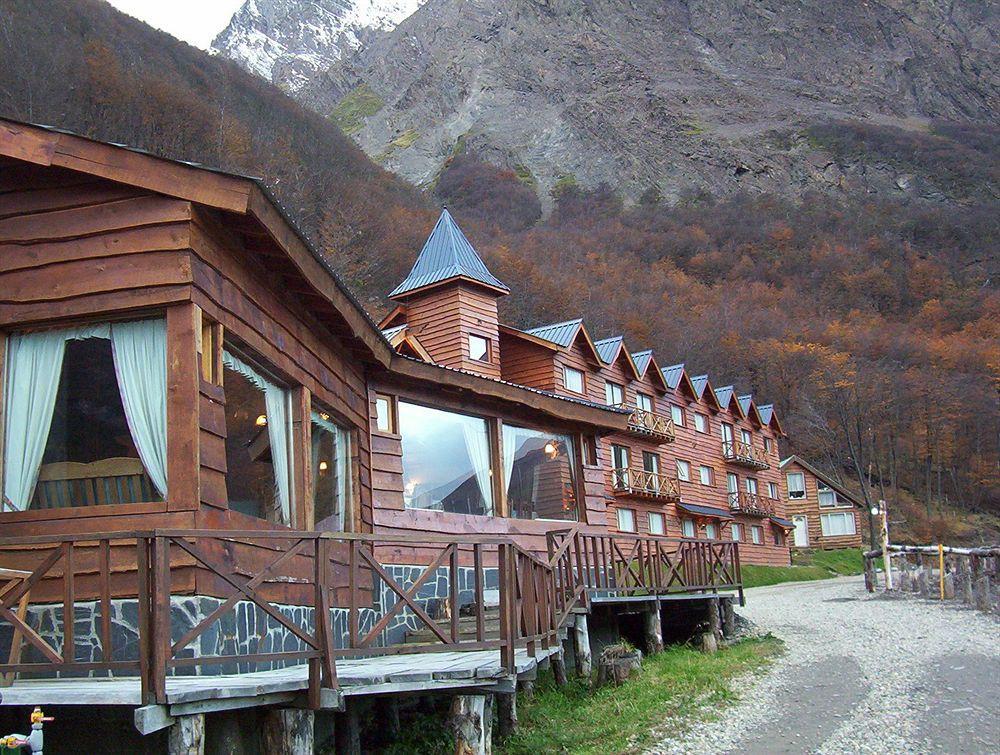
column 288, row 731
column 471, row 723
column 187, row 735
column 581, row 647
column 653, row 630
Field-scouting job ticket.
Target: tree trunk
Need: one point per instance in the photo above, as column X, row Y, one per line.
column 507, row 713
column 581, row 646
column 470, row 724
column 288, row 731
column 652, row 630
column 187, row 735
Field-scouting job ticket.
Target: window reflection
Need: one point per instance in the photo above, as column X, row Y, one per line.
column 331, row 468
column 539, row 472
column 446, row 461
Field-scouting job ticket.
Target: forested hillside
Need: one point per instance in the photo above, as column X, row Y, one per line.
column 872, row 323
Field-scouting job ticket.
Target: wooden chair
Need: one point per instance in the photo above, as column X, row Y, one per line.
column 107, row 481
column 12, row 578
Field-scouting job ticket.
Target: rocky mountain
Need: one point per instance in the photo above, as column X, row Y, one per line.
column 288, row 42
column 673, row 96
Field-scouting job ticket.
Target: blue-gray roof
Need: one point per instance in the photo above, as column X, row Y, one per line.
column 694, row 508
column 672, row 374
column 745, row 402
column 782, row 522
column 725, row 395
column 642, row 360
column 447, row 254
column 699, row 382
column 560, row 333
column 607, row 348
column 766, row 412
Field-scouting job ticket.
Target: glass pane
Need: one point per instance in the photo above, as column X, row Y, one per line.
column 331, row 467
column 250, row 482
column 539, row 471
column 383, row 414
column 700, row 423
column 478, row 348
column 687, row 528
column 650, row 462
column 626, row 520
column 573, row 379
column 446, row 461
column 90, row 458
column 644, row 402
column 710, row 531
column 656, row 524
column 677, row 415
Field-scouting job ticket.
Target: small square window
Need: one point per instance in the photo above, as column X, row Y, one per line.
column 700, row 423
column 677, row 415
column 683, row 471
column 573, row 380
column 479, row 348
column 385, row 413
column 626, row 520
column 656, row 524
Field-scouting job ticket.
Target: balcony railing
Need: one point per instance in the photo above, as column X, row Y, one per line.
column 744, row 454
column 650, row 424
column 643, row 484
column 751, row 503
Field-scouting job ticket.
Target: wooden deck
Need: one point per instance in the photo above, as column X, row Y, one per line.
column 417, row 672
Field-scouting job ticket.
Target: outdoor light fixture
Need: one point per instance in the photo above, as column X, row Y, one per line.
column 551, row 448
column 875, row 510
column 261, row 421
column 323, row 466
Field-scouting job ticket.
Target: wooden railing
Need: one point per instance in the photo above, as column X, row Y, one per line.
column 745, row 454
column 588, row 563
column 639, row 482
column 751, row 503
column 649, row 423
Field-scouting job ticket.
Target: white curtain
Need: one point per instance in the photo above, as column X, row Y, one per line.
column 276, row 403
column 34, row 365
column 341, row 461
column 140, row 355
column 511, row 441
column 477, row 446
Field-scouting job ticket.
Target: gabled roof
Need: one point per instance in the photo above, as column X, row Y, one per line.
column 841, row 490
column 727, row 400
column 564, row 335
column 677, row 378
column 447, row 255
column 404, row 342
column 645, row 364
column 750, row 409
column 612, row 349
column 770, row 418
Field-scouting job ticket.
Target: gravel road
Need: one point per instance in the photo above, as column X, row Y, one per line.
column 862, row 674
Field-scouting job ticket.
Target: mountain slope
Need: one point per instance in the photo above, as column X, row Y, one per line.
column 675, row 96
column 288, row 42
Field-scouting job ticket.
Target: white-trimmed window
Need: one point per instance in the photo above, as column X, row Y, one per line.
column 736, row 531
column 479, row 348
column 683, row 471
column 657, row 524
column 772, row 491
column 677, row 415
column 644, row 402
column 796, row 485
column 614, row 393
column 752, row 485
column 757, row 534
column 573, row 379
column 768, row 444
column 385, row 413
column 745, row 436
column 626, row 520
column 827, row 498
column 700, row 422
column 705, row 475
column 711, row 531
column 841, row 523
column 688, row 528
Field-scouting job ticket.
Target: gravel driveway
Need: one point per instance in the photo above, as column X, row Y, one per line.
column 862, row 674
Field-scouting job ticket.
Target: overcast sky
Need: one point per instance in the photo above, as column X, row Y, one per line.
column 195, row 21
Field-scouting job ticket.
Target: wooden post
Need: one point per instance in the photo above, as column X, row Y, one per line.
column 983, row 592
column 728, row 619
column 187, row 735
column 288, row 731
column 347, row 730
column 653, row 631
column 714, row 621
column 507, row 713
column 303, row 515
column 559, row 668
column 940, row 571
column 183, row 402
column 470, row 723
column 869, row 574
column 964, row 575
column 581, row 646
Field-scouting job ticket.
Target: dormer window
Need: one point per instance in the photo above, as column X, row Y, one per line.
column 479, row 348
column 573, row 380
column 614, row 394
column 644, row 402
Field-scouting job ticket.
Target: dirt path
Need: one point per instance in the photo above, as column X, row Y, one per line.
column 862, row 674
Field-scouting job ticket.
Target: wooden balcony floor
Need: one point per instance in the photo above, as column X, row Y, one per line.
column 202, row 694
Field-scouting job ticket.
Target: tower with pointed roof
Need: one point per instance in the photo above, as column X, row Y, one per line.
column 449, row 302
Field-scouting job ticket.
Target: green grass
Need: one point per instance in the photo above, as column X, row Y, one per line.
column 356, row 106
column 806, row 566
column 405, row 139
column 673, row 690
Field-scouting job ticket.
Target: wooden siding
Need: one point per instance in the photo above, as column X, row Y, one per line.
column 810, row 508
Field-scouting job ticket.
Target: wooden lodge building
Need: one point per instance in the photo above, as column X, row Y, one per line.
column 824, row 513
column 247, row 493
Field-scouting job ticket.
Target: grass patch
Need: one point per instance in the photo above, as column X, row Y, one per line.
column 356, row 106
column 673, row 690
column 405, row 139
column 806, row 566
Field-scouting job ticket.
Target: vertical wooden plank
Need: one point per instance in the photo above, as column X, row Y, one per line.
column 183, row 402
column 69, row 605
column 105, row 581
column 161, row 617
column 352, row 616
column 303, row 513
column 453, row 590
column 496, row 460
column 506, row 609
column 477, row 561
column 3, row 402
column 145, row 625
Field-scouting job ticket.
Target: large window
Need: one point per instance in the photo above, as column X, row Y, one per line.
column 796, row 485
column 331, row 471
column 446, row 461
column 539, row 471
column 86, row 416
column 837, row 524
column 258, row 429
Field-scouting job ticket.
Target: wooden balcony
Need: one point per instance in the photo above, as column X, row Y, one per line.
column 753, row 504
column 639, row 483
column 651, row 425
column 744, row 454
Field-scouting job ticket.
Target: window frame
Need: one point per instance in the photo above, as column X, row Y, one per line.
column 736, row 532
column 567, row 371
column 392, row 415
column 687, row 467
column 825, row 518
column 501, row 508
column 768, row 444
column 773, row 491
column 687, row 522
column 711, row 475
column 788, row 482
column 822, row 490
column 610, row 388
column 715, row 531
column 618, row 516
column 641, row 397
column 701, row 419
column 677, row 415
column 658, row 516
column 756, row 534
column 487, row 357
